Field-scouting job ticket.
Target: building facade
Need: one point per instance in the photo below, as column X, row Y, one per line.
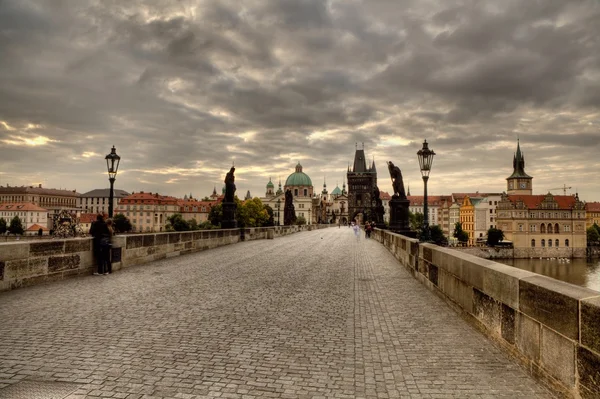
column 51, row 199
column 32, row 216
column 148, row 212
column 97, row 201
column 592, row 214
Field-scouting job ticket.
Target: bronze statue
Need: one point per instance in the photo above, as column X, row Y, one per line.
column 229, row 185
column 397, row 183
column 289, row 212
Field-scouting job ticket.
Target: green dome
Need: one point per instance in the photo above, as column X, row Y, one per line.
column 336, row 191
column 298, row 178
column 270, row 184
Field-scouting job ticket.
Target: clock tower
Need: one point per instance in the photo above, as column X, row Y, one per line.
column 519, row 183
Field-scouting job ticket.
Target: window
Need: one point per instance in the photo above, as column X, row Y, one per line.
column 542, row 229
column 305, row 192
column 549, row 229
column 491, row 211
column 295, row 192
column 532, row 227
column 532, row 243
column 520, row 227
column 550, row 243
column 556, row 243
column 567, row 243
column 556, row 229
column 543, row 243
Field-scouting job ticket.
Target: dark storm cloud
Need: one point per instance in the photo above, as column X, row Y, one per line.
column 184, row 88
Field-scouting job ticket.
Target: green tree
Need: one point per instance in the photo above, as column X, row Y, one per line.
column 206, row 199
column 121, row 223
column 271, row 213
column 207, row 225
column 461, row 235
column 216, row 214
column 437, row 235
column 593, row 235
column 494, row 236
column 300, row 220
column 193, row 225
column 252, row 213
column 16, row 227
column 2, row 226
column 177, row 222
column 416, row 221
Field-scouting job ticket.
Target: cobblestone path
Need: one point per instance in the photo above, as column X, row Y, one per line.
column 313, row 315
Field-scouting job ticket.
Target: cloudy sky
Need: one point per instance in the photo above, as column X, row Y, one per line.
column 184, row 88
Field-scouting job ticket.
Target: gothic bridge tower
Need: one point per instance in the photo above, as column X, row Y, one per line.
column 362, row 181
column 519, row 183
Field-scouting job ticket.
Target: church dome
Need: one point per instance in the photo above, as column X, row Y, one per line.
column 298, row 178
column 336, row 191
column 270, row 184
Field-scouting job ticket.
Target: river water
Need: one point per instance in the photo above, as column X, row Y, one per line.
column 576, row 271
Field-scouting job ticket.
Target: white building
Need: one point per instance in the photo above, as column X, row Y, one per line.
column 96, row 201
column 32, row 216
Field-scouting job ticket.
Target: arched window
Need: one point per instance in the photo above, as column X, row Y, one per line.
column 556, row 243
column 543, row 242
column 556, row 229
column 549, row 227
column 532, row 243
column 542, row 229
column 567, row 243
column 550, row 243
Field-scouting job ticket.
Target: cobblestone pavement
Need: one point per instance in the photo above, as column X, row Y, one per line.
column 313, row 315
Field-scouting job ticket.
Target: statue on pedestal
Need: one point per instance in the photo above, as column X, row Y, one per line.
column 289, row 212
column 399, row 204
column 229, row 205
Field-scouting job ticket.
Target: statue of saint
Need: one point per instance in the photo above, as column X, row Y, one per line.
column 229, row 185
column 397, row 183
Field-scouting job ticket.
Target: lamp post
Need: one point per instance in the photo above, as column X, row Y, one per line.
column 112, row 164
column 278, row 209
column 425, row 156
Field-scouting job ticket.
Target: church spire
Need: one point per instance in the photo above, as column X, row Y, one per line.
column 408, row 191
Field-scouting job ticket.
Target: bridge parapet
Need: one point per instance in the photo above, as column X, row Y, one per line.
column 25, row 263
column 549, row 326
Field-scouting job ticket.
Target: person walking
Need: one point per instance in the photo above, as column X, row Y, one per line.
column 99, row 230
column 367, row 230
column 356, row 230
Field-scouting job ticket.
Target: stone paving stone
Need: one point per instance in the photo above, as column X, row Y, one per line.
column 311, row 315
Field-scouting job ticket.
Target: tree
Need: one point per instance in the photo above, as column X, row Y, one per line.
column 193, row 225
column 416, row 221
column 206, row 199
column 593, row 235
column 16, row 227
column 121, row 223
column 461, row 235
column 437, row 235
column 494, row 236
column 178, row 223
column 271, row 213
column 300, row 220
column 252, row 213
column 207, row 225
column 2, row 226
column 216, row 214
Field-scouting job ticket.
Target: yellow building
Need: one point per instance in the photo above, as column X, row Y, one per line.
column 592, row 214
column 467, row 218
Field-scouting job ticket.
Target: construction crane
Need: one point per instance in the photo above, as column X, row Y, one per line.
column 564, row 188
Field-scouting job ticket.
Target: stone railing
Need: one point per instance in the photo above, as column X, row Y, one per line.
column 25, row 263
column 549, row 326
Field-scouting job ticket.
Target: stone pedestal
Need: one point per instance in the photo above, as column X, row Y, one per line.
column 229, row 221
column 399, row 220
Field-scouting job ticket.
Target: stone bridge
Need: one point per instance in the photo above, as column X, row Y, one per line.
column 316, row 314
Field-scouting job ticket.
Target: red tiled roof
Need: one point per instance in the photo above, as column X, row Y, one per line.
column 21, row 206
column 592, row 206
column 384, row 195
column 533, row 201
column 148, row 198
column 431, row 199
column 36, row 227
column 88, row 217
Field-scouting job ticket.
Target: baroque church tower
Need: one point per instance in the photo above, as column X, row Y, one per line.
column 519, row 183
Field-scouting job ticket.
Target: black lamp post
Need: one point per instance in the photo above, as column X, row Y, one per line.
column 425, row 156
column 112, row 164
column 278, row 209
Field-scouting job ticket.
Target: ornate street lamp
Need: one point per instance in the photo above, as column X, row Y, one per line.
column 112, row 164
column 278, row 209
column 425, row 156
